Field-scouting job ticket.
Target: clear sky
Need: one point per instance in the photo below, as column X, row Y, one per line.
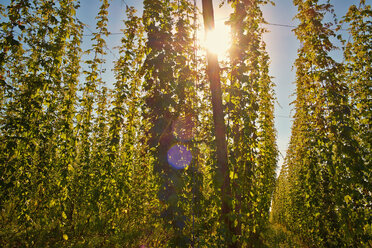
column 281, row 45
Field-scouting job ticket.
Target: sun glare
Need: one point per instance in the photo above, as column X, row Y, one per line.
column 218, row 40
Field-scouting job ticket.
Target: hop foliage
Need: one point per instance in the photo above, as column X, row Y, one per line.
column 83, row 164
column 322, row 188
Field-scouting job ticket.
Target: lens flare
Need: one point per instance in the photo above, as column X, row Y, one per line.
column 179, row 156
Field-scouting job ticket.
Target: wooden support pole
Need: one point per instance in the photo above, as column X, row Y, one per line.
column 213, row 71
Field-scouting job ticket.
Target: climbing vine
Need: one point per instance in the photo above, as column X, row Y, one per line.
column 131, row 160
column 320, row 189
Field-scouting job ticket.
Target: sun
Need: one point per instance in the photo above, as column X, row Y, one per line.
column 218, row 40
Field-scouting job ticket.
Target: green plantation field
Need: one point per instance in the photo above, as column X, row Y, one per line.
column 177, row 147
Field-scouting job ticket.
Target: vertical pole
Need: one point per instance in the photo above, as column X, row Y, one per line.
column 213, row 71
column 196, row 161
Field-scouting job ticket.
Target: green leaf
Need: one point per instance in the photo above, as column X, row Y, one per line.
column 347, row 199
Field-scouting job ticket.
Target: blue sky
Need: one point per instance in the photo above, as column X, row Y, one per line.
column 281, row 45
